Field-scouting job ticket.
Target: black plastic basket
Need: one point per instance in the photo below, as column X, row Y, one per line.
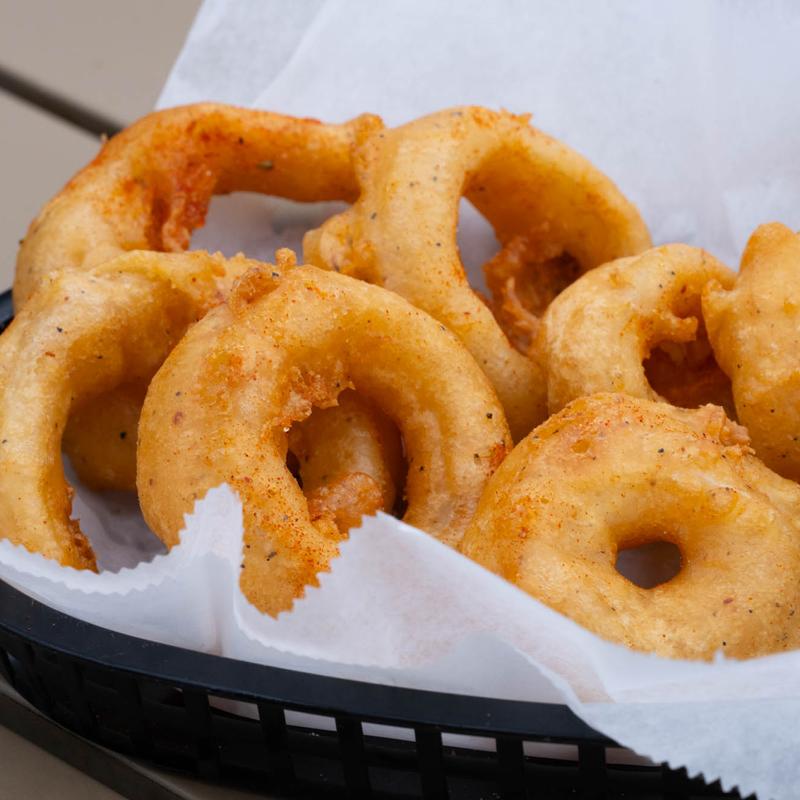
column 171, row 707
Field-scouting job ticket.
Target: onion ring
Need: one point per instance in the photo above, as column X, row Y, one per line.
column 150, row 185
column 754, row 328
column 401, row 233
column 611, row 472
column 597, row 334
column 82, row 334
column 219, row 410
column 148, row 189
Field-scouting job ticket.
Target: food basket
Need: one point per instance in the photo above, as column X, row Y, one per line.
column 295, row 732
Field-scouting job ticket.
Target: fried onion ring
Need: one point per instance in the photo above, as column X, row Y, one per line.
column 754, row 328
column 598, row 333
column 150, row 185
column 401, row 233
column 220, row 407
column 149, row 188
column 611, row 472
column 82, row 334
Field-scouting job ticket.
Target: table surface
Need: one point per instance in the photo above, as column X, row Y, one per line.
column 89, row 53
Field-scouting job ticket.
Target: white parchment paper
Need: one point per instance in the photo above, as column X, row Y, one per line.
column 690, row 108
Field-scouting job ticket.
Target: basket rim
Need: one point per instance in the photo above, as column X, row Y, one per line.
column 35, row 623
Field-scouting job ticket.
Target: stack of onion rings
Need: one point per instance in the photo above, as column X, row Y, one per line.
column 148, row 189
column 228, row 358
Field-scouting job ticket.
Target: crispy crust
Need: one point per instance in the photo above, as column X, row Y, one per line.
column 219, row 408
column 150, row 185
column 610, row 472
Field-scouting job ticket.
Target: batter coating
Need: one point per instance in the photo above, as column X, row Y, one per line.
column 611, row 472
column 220, row 408
column 401, row 233
column 598, row 333
column 148, row 189
column 754, row 328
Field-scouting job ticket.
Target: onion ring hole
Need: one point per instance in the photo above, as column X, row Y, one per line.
column 262, row 224
column 517, row 281
column 357, row 446
column 686, row 374
column 649, row 563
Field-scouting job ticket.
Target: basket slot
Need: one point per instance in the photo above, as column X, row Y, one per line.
column 351, row 747
column 555, row 751
column 85, row 720
column 511, row 762
column 276, row 739
column 392, row 732
column 623, row 756
column 431, row 763
column 28, row 682
column 201, row 731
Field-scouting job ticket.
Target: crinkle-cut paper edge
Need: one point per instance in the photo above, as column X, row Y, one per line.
column 222, row 504
column 582, row 635
column 140, row 577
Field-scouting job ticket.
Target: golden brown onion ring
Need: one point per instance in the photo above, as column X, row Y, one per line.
column 754, row 328
column 148, row 189
column 401, row 233
column 597, row 334
column 219, row 408
column 611, row 472
column 83, row 334
column 150, row 185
